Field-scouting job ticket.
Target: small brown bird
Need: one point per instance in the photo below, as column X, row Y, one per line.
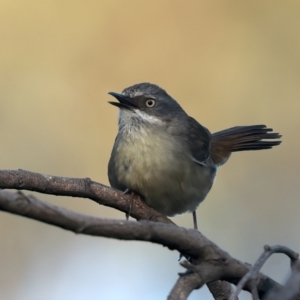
column 166, row 156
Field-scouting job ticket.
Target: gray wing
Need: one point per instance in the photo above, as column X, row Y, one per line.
column 195, row 136
column 112, row 169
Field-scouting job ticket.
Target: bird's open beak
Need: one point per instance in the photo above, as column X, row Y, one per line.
column 124, row 101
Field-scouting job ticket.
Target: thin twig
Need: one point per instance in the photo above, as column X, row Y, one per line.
column 252, row 274
column 291, row 289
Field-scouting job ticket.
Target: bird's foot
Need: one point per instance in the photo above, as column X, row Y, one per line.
column 128, row 191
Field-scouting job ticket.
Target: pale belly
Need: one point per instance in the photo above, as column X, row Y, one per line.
column 160, row 169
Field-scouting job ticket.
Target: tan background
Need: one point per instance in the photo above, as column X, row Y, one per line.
column 227, row 62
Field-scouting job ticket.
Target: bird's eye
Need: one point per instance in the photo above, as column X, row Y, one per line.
column 150, row 102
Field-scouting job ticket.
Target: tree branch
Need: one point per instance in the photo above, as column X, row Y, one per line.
column 221, row 290
column 208, row 261
column 79, row 187
column 185, row 284
column 84, row 188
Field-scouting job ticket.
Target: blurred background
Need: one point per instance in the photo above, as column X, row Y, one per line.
column 227, row 62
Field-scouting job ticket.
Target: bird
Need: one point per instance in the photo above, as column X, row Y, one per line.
column 167, row 157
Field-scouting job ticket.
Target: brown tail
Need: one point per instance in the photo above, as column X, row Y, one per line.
column 241, row 138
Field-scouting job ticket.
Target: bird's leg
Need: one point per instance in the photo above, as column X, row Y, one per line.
column 195, row 220
column 195, row 227
column 127, row 191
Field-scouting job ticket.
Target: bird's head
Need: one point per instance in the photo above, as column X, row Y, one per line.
column 147, row 103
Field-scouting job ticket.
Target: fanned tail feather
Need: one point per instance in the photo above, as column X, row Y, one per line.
column 241, row 138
